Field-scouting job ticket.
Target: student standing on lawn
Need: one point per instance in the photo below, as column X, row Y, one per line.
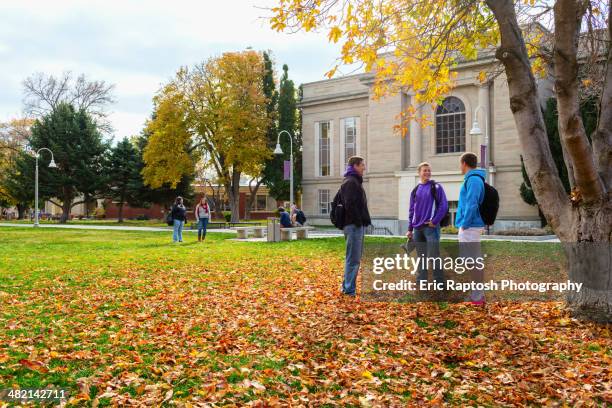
column 356, row 219
column 179, row 215
column 468, row 218
column 428, row 206
column 202, row 215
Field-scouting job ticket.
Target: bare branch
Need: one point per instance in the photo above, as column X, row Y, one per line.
column 43, row 93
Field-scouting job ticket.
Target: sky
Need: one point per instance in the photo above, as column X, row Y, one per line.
column 138, row 45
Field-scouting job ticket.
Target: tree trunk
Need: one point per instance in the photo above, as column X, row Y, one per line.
column 120, row 214
column 21, row 209
column 66, row 205
column 580, row 224
column 86, row 201
column 234, row 195
column 252, row 198
column 589, row 261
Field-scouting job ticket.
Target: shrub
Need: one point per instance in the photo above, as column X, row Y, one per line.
column 99, row 213
column 449, row 230
column 227, row 215
column 523, row 232
column 143, row 217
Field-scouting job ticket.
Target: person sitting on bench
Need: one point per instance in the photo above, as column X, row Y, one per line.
column 285, row 220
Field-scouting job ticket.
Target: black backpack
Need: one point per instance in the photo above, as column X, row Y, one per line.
column 490, row 204
column 445, row 222
column 169, row 218
column 300, row 217
column 336, row 215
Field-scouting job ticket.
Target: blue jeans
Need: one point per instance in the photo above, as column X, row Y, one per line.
column 354, row 249
column 177, row 236
column 427, row 240
column 202, row 224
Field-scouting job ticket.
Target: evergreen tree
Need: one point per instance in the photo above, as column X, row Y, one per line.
column 287, row 120
column 79, row 152
column 123, row 175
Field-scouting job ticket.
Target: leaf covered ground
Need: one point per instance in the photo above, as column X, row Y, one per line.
column 127, row 319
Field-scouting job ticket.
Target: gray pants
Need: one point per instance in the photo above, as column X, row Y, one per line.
column 354, row 249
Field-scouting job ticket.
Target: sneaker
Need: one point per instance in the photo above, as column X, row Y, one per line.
column 480, row 302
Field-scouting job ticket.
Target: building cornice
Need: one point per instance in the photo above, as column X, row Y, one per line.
column 332, row 98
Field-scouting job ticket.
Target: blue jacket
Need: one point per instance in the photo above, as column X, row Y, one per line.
column 471, row 196
column 285, row 220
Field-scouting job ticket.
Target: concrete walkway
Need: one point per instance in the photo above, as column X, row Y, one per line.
column 315, row 234
column 109, row 227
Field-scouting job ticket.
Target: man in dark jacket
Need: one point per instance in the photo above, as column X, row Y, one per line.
column 356, row 219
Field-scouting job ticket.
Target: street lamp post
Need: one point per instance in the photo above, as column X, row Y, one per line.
column 477, row 132
column 51, row 165
column 279, row 151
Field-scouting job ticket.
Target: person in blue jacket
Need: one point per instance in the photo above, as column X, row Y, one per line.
column 468, row 218
column 285, row 219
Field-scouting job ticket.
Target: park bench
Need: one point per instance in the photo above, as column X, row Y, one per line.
column 243, row 232
column 211, row 225
column 301, row 233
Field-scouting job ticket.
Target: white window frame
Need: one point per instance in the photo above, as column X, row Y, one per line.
column 320, row 201
column 465, row 130
column 331, row 148
column 343, row 158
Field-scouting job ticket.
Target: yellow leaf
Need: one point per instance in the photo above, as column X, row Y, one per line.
column 367, row 374
column 334, row 34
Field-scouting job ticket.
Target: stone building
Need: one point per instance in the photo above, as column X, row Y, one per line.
column 341, row 119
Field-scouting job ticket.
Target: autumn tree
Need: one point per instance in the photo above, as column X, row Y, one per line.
column 588, row 111
column 413, row 45
column 271, row 93
column 143, row 195
column 14, row 136
column 217, row 107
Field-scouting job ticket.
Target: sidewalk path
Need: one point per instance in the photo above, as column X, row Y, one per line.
column 109, row 227
column 315, row 234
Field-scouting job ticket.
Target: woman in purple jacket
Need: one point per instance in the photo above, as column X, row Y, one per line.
column 428, row 206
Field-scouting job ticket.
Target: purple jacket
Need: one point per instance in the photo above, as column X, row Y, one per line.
column 423, row 207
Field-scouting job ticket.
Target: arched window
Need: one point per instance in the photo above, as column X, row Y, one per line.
column 450, row 126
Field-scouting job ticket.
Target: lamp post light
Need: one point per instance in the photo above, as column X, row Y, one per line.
column 279, row 151
column 51, row 165
column 477, row 132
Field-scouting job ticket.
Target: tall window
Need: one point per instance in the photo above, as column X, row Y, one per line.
column 324, row 146
column 350, row 138
column 324, row 202
column 260, row 202
column 450, row 126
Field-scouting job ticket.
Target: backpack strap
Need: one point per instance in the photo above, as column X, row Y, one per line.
column 413, row 193
column 434, row 192
column 477, row 175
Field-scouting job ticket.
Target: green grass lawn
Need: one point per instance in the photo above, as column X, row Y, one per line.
column 127, row 318
column 128, row 223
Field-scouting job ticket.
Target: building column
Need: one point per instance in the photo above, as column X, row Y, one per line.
column 416, row 138
column 485, row 119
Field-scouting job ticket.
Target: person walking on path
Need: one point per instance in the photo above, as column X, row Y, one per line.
column 202, row 215
column 428, row 206
column 179, row 215
column 356, row 219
